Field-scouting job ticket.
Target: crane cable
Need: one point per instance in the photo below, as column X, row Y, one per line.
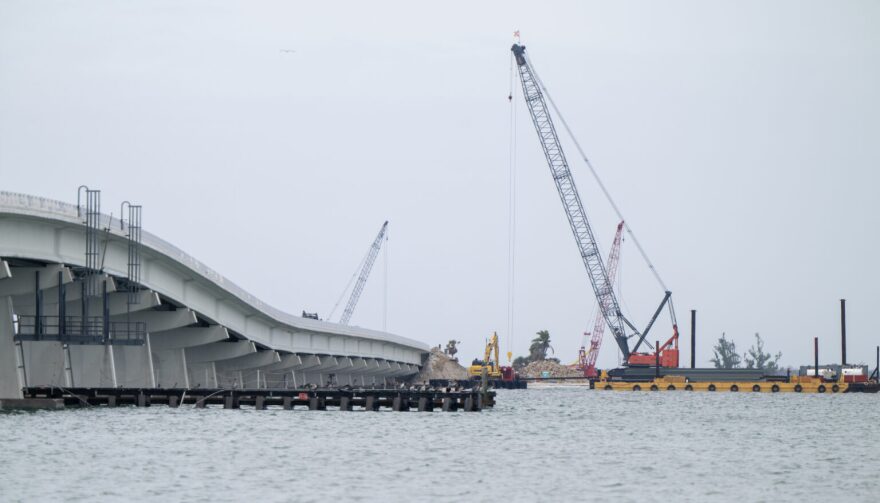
column 511, row 215
column 596, row 176
column 385, row 253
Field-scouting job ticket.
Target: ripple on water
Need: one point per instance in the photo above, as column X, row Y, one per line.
column 559, row 444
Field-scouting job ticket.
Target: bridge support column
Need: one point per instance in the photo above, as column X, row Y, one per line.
column 44, row 363
column 169, row 345
column 93, row 366
column 302, row 371
column 134, row 365
column 283, row 373
column 249, row 367
column 170, row 368
column 155, row 363
column 10, row 377
column 355, row 373
column 210, row 357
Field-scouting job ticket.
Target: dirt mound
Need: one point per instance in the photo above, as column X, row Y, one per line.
column 440, row 366
column 537, row 369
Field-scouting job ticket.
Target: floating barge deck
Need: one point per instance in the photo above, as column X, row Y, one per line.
column 729, row 383
column 344, row 399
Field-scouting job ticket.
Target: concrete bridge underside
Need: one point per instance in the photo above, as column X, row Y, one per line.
column 201, row 329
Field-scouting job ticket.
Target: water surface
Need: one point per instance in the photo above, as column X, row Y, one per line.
column 536, row 445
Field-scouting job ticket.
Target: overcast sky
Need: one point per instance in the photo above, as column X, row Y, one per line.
column 270, row 140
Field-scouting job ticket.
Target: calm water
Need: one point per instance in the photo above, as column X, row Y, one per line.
column 537, row 445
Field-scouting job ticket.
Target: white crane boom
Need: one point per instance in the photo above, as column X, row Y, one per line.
column 365, row 273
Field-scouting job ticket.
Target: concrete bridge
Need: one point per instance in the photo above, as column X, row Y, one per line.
column 198, row 329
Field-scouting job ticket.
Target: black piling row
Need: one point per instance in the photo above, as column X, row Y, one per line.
column 468, row 400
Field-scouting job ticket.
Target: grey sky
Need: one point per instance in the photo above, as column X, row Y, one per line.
column 739, row 138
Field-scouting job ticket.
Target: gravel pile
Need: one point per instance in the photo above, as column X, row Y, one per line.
column 440, row 366
column 536, row 369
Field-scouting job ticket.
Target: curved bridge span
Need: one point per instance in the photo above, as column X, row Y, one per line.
column 197, row 328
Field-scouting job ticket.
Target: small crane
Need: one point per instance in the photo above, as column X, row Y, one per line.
column 365, row 273
column 589, row 357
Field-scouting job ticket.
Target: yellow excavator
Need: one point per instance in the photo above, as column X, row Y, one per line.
column 493, row 367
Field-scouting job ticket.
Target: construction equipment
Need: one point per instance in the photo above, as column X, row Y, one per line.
column 492, row 365
column 589, row 357
column 533, row 92
column 365, row 273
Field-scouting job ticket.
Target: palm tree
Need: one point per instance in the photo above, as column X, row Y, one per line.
column 539, row 346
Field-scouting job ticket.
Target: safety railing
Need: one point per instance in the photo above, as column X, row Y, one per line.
column 79, row 330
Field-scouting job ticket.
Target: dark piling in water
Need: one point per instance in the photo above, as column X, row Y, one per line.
column 657, row 359
column 693, row 338
column 843, row 332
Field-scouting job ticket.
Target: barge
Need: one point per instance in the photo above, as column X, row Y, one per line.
column 794, row 384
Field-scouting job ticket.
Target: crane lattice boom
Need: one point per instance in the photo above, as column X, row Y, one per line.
column 599, row 325
column 571, row 200
column 362, row 278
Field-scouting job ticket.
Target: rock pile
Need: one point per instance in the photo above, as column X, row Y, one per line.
column 536, row 369
column 440, row 366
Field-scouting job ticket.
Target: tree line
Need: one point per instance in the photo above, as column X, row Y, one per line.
column 727, row 357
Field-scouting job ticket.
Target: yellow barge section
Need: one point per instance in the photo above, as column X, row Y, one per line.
column 795, row 384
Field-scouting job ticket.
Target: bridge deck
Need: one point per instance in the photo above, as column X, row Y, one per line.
column 202, row 330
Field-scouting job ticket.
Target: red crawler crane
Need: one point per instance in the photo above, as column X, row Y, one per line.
column 589, row 359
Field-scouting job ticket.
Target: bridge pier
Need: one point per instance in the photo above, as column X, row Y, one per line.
column 168, row 350
column 11, row 377
column 215, row 353
column 93, row 366
column 280, row 375
column 170, row 368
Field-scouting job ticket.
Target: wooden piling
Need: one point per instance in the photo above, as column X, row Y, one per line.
column 425, row 404
column 372, row 403
column 231, row 401
column 317, row 403
column 469, row 403
column 345, row 402
column 397, row 404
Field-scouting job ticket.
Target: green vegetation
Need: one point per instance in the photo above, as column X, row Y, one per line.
column 756, row 358
column 537, row 350
column 539, row 347
column 726, row 356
